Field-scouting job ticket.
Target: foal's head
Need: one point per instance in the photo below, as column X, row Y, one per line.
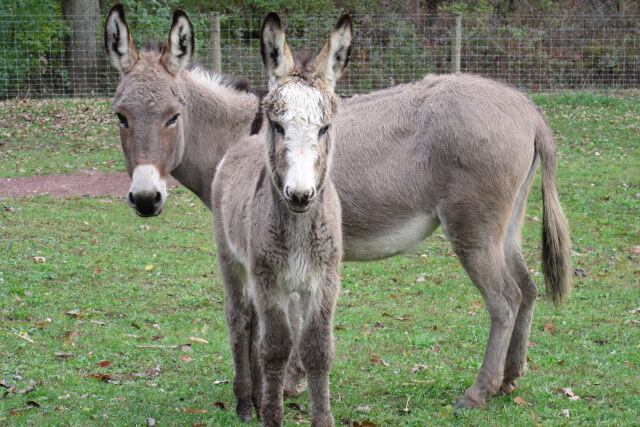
column 299, row 107
column 149, row 103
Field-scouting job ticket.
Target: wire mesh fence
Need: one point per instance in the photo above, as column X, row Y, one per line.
column 43, row 57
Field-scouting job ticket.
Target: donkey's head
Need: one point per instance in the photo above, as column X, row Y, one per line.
column 149, row 105
column 299, row 107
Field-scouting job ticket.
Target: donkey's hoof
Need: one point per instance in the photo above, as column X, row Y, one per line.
column 244, row 409
column 508, row 387
column 466, row 403
column 245, row 418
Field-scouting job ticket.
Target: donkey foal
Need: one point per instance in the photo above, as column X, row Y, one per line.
column 277, row 226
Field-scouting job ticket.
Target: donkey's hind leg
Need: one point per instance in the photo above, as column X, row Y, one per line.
column 295, row 370
column 489, row 272
column 239, row 313
column 477, row 240
column 516, row 362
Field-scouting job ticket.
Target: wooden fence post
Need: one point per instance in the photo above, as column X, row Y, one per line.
column 216, row 56
column 456, row 44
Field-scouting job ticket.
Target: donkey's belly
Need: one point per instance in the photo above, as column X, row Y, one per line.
column 396, row 239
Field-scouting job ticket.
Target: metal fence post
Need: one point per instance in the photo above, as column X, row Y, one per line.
column 456, row 44
column 216, row 56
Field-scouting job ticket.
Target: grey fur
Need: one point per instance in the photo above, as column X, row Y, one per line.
column 457, row 150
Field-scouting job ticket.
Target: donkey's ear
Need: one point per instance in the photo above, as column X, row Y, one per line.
column 276, row 56
column 179, row 49
column 117, row 40
column 334, row 56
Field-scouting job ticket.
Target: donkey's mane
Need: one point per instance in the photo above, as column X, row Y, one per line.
column 241, row 84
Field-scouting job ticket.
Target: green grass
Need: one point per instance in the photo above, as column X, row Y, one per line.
column 58, row 137
column 419, row 310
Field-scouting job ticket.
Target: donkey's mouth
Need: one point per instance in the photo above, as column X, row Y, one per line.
column 299, row 207
column 148, row 215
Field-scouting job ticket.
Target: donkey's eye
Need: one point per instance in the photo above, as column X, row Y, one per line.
column 172, row 121
column 123, row 120
column 279, row 129
column 323, row 130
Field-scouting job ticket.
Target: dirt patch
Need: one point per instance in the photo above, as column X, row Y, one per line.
column 86, row 183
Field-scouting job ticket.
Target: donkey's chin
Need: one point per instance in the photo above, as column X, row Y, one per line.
column 299, row 207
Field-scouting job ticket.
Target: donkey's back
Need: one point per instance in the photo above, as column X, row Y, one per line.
column 418, row 150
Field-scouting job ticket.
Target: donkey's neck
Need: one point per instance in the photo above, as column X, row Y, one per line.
column 217, row 117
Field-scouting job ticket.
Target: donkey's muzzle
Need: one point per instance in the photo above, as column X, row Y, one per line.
column 299, row 201
column 146, row 204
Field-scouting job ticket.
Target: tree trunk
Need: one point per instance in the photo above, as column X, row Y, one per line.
column 81, row 15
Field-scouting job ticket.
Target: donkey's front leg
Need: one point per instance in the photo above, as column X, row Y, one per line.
column 295, row 370
column 316, row 347
column 239, row 313
column 276, row 342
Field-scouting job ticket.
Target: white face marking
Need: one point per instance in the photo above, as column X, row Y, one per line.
column 146, row 181
column 407, row 236
column 301, row 121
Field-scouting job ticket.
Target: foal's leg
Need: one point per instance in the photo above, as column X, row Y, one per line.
column 317, row 349
column 516, row 362
column 275, row 345
column 239, row 312
column 256, row 364
column 295, row 370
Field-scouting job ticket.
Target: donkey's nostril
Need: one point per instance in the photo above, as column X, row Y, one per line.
column 158, row 199
column 287, row 192
column 130, row 200
column 311, row 194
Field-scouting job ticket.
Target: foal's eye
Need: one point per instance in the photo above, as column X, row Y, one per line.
column 123, row 120
column 172, row 121
column 323, row 130
column 279, row 129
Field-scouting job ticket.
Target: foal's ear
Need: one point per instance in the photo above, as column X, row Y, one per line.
column 179, row 49
column 334, row 56
column 117, row 40
column 276, row 56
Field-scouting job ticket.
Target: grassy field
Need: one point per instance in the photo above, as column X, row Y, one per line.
column 85, row 285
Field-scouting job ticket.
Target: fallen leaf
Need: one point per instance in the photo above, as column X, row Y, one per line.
column 106, row 364
column 104, row 378
column 39, row 259
column 70, row 335
column 376, row 360
column 548, row 327
column 220, row 382
column 221, row 405
column 149, row 267
column 74, row 313
column 532, row 344
column 151, row 422
column 565, row 413
column 97, row 322
column 362, row 408
column 26, row 390
column 521, row 401
column 97, row 271
column 186, row 358
column 198, row 340
column 195, row 411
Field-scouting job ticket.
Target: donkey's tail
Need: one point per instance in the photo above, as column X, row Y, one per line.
column 556, row 245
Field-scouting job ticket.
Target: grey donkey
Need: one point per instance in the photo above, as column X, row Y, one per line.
column 457, row 151
column 277, row 227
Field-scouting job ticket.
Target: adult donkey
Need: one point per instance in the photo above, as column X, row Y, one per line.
column 459, row 151
column 277, row 221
